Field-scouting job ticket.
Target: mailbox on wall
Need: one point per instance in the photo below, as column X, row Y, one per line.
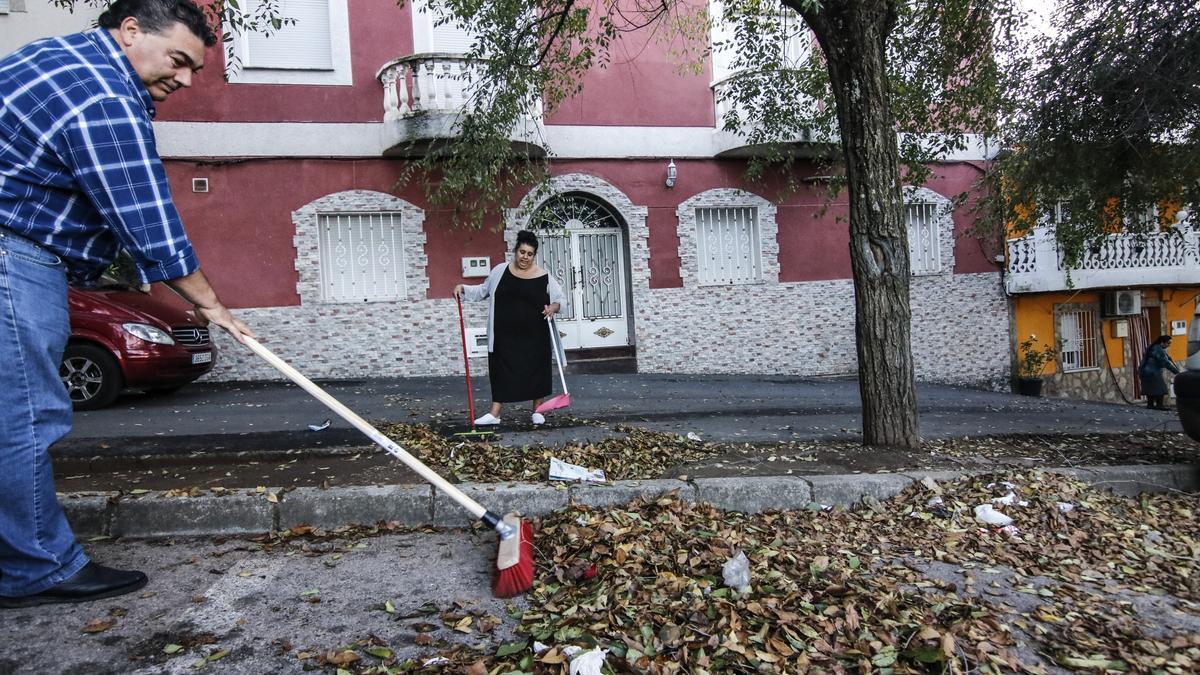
column 476, row 341
column 478, row 266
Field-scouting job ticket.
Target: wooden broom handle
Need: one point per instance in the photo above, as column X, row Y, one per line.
column 362, row 425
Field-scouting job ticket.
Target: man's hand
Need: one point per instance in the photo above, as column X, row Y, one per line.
column 195, row 289
column 225, row 319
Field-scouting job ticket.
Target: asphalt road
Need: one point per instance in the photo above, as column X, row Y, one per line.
column 276, row 416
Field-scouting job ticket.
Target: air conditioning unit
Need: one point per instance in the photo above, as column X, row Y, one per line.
column 1122, row 303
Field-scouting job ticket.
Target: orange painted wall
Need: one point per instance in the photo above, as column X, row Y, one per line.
column 1034, row 314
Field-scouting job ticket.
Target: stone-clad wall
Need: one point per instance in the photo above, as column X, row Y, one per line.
column 960, row 333
column 959, row 329
column 960, row 324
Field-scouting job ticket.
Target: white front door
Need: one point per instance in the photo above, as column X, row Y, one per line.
column 583, row 246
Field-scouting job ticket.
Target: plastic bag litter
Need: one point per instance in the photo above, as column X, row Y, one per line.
column 436, row 661
column 984, row 513
column 538, row 647
column 560, row 470
column 1009, row 499
column 1065, row 507
column 589, row 662
column 736, row 571
column 693, row 436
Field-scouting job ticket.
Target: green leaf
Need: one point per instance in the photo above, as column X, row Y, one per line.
column 379, row 652
column 172, row 649
column 886, row 657
column 511, row 648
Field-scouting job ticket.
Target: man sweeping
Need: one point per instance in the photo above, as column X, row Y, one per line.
column 80, row 179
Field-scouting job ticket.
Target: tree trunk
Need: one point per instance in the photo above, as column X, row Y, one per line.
column 854, row 35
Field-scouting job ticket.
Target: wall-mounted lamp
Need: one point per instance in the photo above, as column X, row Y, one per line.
column 671, row 173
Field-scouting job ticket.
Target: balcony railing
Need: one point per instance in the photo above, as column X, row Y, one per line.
column 424, row 93
column 736, row 144
column 1036, row 264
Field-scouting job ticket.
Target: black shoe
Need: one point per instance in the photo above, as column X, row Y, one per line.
column 93, row 582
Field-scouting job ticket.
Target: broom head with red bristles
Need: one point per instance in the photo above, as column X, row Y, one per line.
column 514, row 560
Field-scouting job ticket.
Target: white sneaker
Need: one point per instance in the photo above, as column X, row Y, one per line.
column 538, row 418
column 487, row 420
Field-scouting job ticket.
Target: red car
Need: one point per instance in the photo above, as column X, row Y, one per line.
column 122, row 338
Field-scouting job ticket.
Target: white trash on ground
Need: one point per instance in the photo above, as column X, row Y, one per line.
column 320, row 427
column 1009, row 499
column 589, row 662
column 984, row 513
column 693, row 436
column 736, row 572
column 1065, row 507
column 560, row 470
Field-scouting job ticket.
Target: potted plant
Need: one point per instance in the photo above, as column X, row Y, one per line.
column 1031, row 362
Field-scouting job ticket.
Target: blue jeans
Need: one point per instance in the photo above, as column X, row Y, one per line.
column 37, row 547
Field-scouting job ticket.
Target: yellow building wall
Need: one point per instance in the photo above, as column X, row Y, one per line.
column 1034, row 315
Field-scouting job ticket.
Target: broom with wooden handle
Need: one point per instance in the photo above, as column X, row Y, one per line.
column 514, row 559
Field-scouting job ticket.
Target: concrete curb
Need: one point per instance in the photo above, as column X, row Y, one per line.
column 251, row 512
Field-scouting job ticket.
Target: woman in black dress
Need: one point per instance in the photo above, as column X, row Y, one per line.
column 523, row 296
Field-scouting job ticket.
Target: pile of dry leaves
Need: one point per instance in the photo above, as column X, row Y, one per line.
column 913, row 584
column 639, row 454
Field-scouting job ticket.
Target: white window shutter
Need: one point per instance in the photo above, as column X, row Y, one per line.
column 304, row 45
column 5, row 6
column 451, row 38
column 362, row 257
column 728, row 250
column 722, row 39
column 924, row 240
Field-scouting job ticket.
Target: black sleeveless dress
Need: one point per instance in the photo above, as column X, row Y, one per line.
column 519, row 363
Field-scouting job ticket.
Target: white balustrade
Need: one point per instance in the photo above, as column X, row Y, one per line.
column 430, row 83
column 1036, row 264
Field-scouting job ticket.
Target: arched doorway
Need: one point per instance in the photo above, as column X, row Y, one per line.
column 583, row 245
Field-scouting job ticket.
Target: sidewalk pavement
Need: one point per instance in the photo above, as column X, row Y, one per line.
column 256, row 424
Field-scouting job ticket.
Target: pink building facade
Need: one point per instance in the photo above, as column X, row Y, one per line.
column 286, row 175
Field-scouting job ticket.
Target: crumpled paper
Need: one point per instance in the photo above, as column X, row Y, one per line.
column 736, row 572
column 984, row 513
column 589, row 662
column 560, row 470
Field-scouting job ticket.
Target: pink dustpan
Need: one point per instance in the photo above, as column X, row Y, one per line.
column 563, row 400
column 554, row 403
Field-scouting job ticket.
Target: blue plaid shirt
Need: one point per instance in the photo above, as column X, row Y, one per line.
column 79, row 171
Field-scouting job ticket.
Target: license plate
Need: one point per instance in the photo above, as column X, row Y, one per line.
column 201, row 357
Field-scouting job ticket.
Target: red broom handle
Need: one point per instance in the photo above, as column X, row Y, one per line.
column 462, row 329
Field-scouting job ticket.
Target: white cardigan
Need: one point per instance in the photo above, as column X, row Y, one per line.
column 487, row 291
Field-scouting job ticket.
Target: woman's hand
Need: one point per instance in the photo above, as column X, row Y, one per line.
column 550, row 310
column 458, row 291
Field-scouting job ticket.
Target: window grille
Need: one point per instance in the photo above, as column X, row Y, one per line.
column 362, row 257
column 728, row 247
column 924, row 241
column 1079, row 341
column 303, row 45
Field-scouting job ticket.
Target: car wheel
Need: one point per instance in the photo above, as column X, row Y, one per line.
column 91, row 376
